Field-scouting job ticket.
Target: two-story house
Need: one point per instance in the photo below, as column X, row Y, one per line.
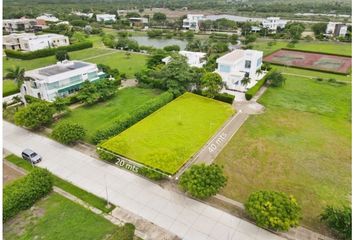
column 238, row 64
column 191, row 22
column 59, row 80
column 273, row 23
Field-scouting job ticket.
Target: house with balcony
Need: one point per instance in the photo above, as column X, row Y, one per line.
column 106, row 17
column 59, row 80
column 17, row 25
column 273, row 23
column 238, row 64
column 336, row 29
column 191, row 22
column 12, row 41
column 194, row 59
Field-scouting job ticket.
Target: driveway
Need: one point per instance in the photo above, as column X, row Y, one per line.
column 187, row 218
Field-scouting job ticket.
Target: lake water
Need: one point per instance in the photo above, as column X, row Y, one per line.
column 159, row 43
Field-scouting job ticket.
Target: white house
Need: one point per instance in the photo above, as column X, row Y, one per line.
column 273, row 23
column 238, row 64
column 191, row 22
column 12, row 41
column 47, row 17
column 21, row 24
column 336, row 29
column 81, row 14
column 194, row 59
column 31, row 42
column 59, row 80
column 105, row 17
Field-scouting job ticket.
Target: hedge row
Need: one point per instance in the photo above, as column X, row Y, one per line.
column 24, row 192
column 127, row 120
column 47, row 51
column 253, row 90
column 309, row 51
column 225, row 97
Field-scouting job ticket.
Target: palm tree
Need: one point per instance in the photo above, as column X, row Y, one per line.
column 245, row 81
column 17, row 74
column 259, row 71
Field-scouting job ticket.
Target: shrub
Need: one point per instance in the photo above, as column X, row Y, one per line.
column 24, row 192
column 202, row 181
column 127, row 120
column 125, row 232
column 47, row 51
column 30, row 99
column 276, row 79
column 339, row 220
column 62, row 55
column 151, row 174
column 274, row 210
column 253, row 90
column 104, row 155
column 225, row 97
column 171, row 48
column 35, row 115
column 68, row 133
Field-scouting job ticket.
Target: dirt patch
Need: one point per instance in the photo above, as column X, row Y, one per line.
column 10, row 174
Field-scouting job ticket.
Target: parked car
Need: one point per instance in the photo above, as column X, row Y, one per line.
column 31, row 156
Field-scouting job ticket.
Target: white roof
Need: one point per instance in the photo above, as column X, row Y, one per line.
column 199, row 54
column 49, row 35
column 237, row 55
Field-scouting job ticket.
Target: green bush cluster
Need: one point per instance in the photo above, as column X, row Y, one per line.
column 24, row 192
column 104, row 155
column 47, row 51
column 125, row 232
column 253, row 90
column 339, row 220
column 225, row 97
column 274, row 210
column 68, row 133
column 151, row 174
column 127, row 120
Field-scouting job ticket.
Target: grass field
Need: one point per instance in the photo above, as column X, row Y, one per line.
column 9, row 87
column 169, row 137
column 102, row 115
column 301, row 145
column 57, row 218
column 317, row 46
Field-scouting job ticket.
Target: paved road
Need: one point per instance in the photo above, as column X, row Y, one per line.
column 187, row 218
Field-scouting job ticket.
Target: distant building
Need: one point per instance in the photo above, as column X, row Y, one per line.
column 194, row 59
column 105, row 17
column 139, row 21
column 191, row 22
column 255, row 29
column 47, row 17
column 81, row 14
column 59, row 80
column 31, row 42
column 15, row 25
column 238, row 64
column 336, row 29
column 273, row 23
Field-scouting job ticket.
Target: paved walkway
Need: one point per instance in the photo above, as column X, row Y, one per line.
column 187, row 218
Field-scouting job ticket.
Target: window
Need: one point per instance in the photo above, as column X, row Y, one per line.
column 52, row 85
column 224, row 68
column 259, row 61
column 39, row 95
column 248, row 64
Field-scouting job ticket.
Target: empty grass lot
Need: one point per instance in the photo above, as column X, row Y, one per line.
column 102, row 115
column 9, row 87
column 57, row 218
column 170, row 136
column 301, row 145
column 317, row 46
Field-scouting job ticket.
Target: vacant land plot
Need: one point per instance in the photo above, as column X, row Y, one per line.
column 315, row 61
column 9, row 87
column 301, row 145
column 169, row 137
column 103, row 115
column 56, row 217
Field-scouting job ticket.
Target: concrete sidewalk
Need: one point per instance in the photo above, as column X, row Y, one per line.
column 187, row 218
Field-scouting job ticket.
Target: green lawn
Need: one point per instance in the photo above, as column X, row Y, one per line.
column 57, row 218
column 9, row 87
column 170, row 136
column 103, row 115
column 301, row 145
column 317, row 46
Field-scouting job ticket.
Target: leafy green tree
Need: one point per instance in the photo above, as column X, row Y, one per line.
column 132, row 15
column 295, row 30
column 88, row 93
column 203, row 181
column 106, row 89
column 156, row 59
column 197, row 74
column 274, row 210
column 60, row 104
column 78, row 37
column 62, row 55
column 339, row 220
column 211, row 84
column 159, row 17
column 35, row 115
column 171, row 48
column 250, row 38
column 319, row 29
column 68, row 133
column 276, row 79
column 17, row 74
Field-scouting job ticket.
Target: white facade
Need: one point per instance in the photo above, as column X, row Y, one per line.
column 236, row 65
column 48, row 17
column 14, row 25
column 105, row 17
column 272, row 23
column 59, row 80
column 12, row 41
column 191, row 22
column 194, row 59
column 37, row 42
column 336, row 29
column 81, row 14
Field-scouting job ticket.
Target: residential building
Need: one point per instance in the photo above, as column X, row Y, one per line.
column 238, row 64
column 273, row 23
column 336, row 29
column 139, row 22
column 194, row 59
column 59, row 80
column 15, row 25
column 31, row 42
column 105, row 17
column 81, row 14
column 255, row 29
column 47, row 17
column 191, row 22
